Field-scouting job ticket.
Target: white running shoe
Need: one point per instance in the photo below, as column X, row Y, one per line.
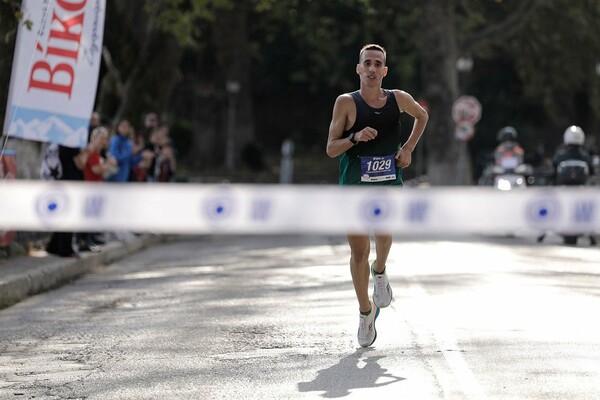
column 382, row 291
column 366, row 327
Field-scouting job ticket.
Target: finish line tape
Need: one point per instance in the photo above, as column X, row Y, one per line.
column 268, row 209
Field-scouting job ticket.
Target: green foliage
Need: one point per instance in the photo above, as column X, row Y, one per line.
column 562, row 47
column 181, row 18
column 540, row 78
column 12, row 8
column 318, row 42
column 8, row 27
column 310, row 49
column 538, row 75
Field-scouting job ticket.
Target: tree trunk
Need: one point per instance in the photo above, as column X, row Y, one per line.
column 231, row 33
column 205, row 141
column 448, row 161
column 8, row 27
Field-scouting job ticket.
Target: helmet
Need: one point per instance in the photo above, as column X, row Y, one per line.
column 507, row 133
column 574, row 135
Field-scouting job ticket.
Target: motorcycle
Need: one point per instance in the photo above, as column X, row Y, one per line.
column 572, row 172
column 503, row 178
column 506, row 179
column 511, row 179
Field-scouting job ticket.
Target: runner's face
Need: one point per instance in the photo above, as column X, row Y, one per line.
column 372, row 68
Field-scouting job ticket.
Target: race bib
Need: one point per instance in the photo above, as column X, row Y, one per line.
column 377, row 169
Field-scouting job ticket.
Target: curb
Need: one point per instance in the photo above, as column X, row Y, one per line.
column 25, row 276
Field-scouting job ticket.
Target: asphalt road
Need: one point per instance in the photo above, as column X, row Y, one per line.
column 232, row 317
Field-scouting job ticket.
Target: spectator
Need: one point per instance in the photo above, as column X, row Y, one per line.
column 73, row 161
column 96, row 166
column 151, row 122
column 95, row 122
column 94, row 171
column 121, row 148
column 139, row 170
column 163, row 166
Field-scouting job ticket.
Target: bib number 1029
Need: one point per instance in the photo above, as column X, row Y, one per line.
column 377, row 168
column 379, row 165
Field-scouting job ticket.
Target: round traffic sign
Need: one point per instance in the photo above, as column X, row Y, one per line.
column 464, row 131
column 466, row 109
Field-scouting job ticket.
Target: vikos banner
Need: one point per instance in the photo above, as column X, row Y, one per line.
column 55, row 71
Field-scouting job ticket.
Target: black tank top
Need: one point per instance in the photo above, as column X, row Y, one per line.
column 386, row 120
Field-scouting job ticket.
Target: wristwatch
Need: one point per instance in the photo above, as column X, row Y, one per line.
column 351, row 138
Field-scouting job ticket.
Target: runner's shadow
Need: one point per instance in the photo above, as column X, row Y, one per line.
column 358, row 370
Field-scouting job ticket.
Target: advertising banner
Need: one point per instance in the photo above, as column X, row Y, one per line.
column 55, row 71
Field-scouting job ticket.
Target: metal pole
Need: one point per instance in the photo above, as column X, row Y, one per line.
column 233, row 87
column 464, row 64
column 286, row 174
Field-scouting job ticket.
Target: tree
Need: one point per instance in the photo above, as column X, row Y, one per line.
column 233, row 59
column 139, row 73
column 292, row 58
column 448, row 31
column 10, row 15
column 201, row 27
column 562, row 44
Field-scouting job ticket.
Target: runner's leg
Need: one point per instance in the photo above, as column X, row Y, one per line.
column 360, row 246
column 383, row 244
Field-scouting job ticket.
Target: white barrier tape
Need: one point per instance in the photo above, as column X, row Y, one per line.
column 262, row 209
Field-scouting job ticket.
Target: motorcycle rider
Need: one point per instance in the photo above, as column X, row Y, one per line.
column 573, row 166
column 572, row 149
column 508, row 154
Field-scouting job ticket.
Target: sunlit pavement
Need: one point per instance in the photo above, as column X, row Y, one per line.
column 275, row 317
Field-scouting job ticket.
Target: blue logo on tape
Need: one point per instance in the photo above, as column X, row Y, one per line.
column 417, row 211
column 219, row 208
column 375, row 211
column 584, row 212
column 261, row 210
column 94, row 207
column 51, row 205
column 542, row 211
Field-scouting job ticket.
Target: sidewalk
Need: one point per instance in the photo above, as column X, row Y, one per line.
column 24, row 276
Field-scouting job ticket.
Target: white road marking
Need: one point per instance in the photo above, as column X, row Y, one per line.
column 429, row 317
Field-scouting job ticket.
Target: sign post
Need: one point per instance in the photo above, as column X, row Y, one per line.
column 466, row 112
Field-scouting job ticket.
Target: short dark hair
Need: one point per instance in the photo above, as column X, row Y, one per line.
column 372, row 46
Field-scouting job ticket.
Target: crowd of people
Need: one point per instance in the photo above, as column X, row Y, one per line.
column 132, row 155
column 120, row 154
